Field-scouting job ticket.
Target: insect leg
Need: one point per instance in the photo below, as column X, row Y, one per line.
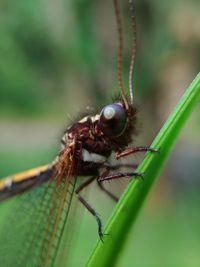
column 109, row 168
column 111, row 195
column 119, row 175
column 120, row 165
column 133, row 150
column 87, row 205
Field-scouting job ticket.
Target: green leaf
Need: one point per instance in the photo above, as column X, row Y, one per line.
column 118, row 227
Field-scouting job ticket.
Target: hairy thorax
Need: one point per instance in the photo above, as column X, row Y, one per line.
column 93, row 147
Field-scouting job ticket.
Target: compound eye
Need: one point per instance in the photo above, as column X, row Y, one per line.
column 113, row 120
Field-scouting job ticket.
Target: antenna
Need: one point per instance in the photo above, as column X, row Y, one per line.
column 120, row 53
column 134, row 46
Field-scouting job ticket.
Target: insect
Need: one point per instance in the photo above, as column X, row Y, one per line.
column 85, row 149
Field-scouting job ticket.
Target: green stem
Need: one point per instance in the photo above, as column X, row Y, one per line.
column 119, row 225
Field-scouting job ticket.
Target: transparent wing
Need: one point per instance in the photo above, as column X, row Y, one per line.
column 31, row 233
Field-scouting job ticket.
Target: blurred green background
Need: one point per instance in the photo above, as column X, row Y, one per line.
column 56, row 58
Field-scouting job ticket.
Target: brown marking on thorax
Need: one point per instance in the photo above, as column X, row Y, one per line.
column 88, row 135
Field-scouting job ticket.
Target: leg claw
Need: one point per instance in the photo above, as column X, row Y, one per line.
column 139, row 176
column 154, row 150
column 101, row 236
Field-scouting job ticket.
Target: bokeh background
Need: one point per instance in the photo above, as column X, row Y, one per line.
column 56, row 58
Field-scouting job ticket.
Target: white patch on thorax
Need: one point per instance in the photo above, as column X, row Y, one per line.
column 83, row 119
column 93, row 118
column 92, row 157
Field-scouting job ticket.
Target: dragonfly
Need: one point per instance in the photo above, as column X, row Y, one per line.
column 86, row 148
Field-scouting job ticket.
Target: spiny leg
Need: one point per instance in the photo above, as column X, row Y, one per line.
column 109, row 168
column 133, row 150
column 87, row 205
column 119, row 175
column 119, row 165
column 111, row 195
column 125, row 153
